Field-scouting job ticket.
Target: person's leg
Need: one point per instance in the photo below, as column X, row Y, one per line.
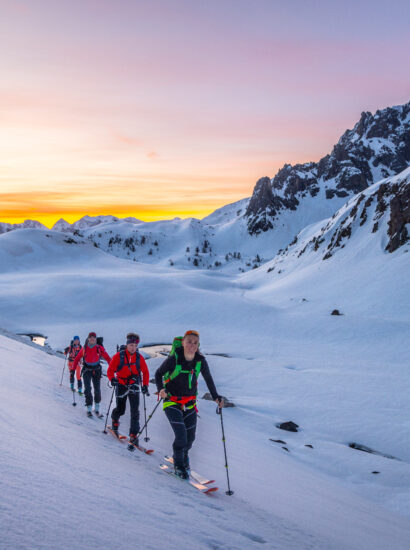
column 97, row 385
column 121, row 401
column 176, row 419
column 190, row 417
column 87, row 387
column 134, row 399
column 78, row 376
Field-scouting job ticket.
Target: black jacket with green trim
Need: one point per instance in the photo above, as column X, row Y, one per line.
column 179, row 386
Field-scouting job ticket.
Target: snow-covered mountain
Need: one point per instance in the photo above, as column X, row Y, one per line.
column 377, row 147
column 27, row 224
column 243, row 235
column 362, row 250
column 87, row 222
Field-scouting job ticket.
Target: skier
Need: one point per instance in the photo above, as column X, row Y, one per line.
column 128, row 371
column 73, row 350
column 179, row 374
column 91, row 355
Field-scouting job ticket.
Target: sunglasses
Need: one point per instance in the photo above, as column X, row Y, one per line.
column 194, row 332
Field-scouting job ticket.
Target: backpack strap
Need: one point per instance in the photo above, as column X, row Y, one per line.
column 178, row 370
column 124, row 360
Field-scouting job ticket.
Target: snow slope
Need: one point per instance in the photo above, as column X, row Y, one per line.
column 66, row 484
column 344, row 379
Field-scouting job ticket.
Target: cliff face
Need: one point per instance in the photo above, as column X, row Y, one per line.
column 376, row 148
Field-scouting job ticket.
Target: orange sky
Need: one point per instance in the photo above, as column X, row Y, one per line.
column 156, row 111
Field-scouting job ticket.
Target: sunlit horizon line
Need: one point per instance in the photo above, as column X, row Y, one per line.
column 155, row 215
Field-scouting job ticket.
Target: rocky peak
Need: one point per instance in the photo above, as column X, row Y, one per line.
column 377, row 147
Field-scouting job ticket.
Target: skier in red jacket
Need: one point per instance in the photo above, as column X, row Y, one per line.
column 91, row 355
column 128, row 372
column 73, row 350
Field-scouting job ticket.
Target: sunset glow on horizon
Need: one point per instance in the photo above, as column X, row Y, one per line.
column 173, row 108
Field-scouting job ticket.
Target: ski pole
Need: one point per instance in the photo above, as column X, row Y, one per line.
column 62, row 374
column 149, row 418
column 146, row 438
column 219, row 411
column 108, row 412
column 74, row 403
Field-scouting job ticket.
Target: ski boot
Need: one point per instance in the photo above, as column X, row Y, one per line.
column 181, row 472
column 97, row 410
column 186, row 463
column 72, row 386
column 89, row 411
column 133, row 442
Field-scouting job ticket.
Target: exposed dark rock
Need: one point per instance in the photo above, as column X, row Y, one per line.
column 375, row 472
column 288, row 426
column 399, row 217
column 278, row 441
column 286, row 449
column 336, row 312
column 309, row 445
column 366, row 449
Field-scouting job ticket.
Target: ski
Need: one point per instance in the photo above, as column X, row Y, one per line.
column 192, row 482
column 132, row 446
column 198, row 477
column 98, row 414
column 118, row 436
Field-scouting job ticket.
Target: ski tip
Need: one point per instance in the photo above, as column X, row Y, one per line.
column 211, row 490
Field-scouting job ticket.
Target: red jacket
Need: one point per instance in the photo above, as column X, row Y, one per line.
column 129, row 368
column 73, row 351
column 92, row 356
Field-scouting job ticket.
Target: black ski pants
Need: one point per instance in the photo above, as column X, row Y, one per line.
column 183, row 422
column 122, row 392
column 79, row 381
column 93, row 375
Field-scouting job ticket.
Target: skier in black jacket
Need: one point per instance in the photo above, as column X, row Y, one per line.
column 179, row 374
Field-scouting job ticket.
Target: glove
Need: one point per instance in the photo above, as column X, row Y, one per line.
column 114, row 382
column 144, row 390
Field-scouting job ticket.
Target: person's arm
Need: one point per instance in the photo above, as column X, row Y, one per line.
column 113, row 366
column 77, row 358
column 144, row 371
column 105, row 355
column 168, row 364
column 206, row 373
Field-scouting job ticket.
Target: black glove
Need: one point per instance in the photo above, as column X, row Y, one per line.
column 114, row 382
column 144, row 390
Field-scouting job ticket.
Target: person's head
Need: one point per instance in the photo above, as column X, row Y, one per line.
column 76, row 340
column 132, row 342
column 92, row 339
column 190, row 343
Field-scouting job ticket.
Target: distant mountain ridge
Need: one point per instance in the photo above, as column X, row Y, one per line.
column 243, row 235
column 27, row 224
